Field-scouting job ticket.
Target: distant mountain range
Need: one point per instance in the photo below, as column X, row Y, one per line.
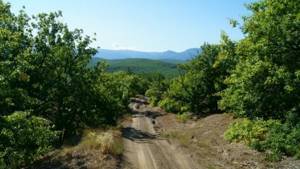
column 144, row 62
column 140, row 66
column 167, row 55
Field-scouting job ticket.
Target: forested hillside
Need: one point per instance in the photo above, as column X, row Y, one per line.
column 142, row 66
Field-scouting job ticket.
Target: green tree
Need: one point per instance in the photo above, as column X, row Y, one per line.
column 157, row 88
column 225, row 62
column 44, row 70
column 265, row 83
column 24, row 138
column 14, row 42
column 195, row 90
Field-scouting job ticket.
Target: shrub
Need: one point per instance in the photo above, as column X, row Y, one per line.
column 170, row 105
column 183, row 117
column 152, row 94
column 272, row 136
column 108, row 142
column 156, row 90
column 24, row 138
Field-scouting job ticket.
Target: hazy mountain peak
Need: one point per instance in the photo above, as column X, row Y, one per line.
column 167, row 55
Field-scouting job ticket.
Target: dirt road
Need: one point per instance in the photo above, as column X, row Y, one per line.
column 145, row 150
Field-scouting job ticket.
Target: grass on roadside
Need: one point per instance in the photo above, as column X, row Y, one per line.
column 182, row 138
column 183, row 117
column 107, row 142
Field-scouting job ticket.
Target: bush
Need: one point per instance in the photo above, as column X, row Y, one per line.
column 156, row 90
column 170, row 105
column 107, row 142
column 183, row 117
column 24, row 138
column 272, row 136
column 152, row 94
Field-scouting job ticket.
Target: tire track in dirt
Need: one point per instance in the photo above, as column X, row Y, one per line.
column 144, row 150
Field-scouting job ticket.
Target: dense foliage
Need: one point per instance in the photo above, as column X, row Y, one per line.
column 158, row 85
column 44, row 70
column 266, row 81
column 23, row 138
column 269, row 135
column 195, row 90
column 142, row 66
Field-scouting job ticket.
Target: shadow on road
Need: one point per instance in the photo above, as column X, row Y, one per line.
column 136, row 135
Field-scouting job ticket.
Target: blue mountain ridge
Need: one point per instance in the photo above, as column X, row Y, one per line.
column 167, row 55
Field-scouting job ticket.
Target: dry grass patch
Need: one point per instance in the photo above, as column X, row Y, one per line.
column 97, row 149
column 107, row 142
column 182, row 138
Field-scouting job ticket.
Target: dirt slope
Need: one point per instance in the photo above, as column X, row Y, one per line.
column 204, row 139
column 145, row 150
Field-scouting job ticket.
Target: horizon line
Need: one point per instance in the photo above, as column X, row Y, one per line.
column 155, row 51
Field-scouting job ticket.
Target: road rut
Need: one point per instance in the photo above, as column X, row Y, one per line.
column 145, row 150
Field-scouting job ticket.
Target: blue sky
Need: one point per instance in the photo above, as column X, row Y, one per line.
column 147, row 25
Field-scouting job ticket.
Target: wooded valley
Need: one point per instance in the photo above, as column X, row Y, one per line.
column 50, row 93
